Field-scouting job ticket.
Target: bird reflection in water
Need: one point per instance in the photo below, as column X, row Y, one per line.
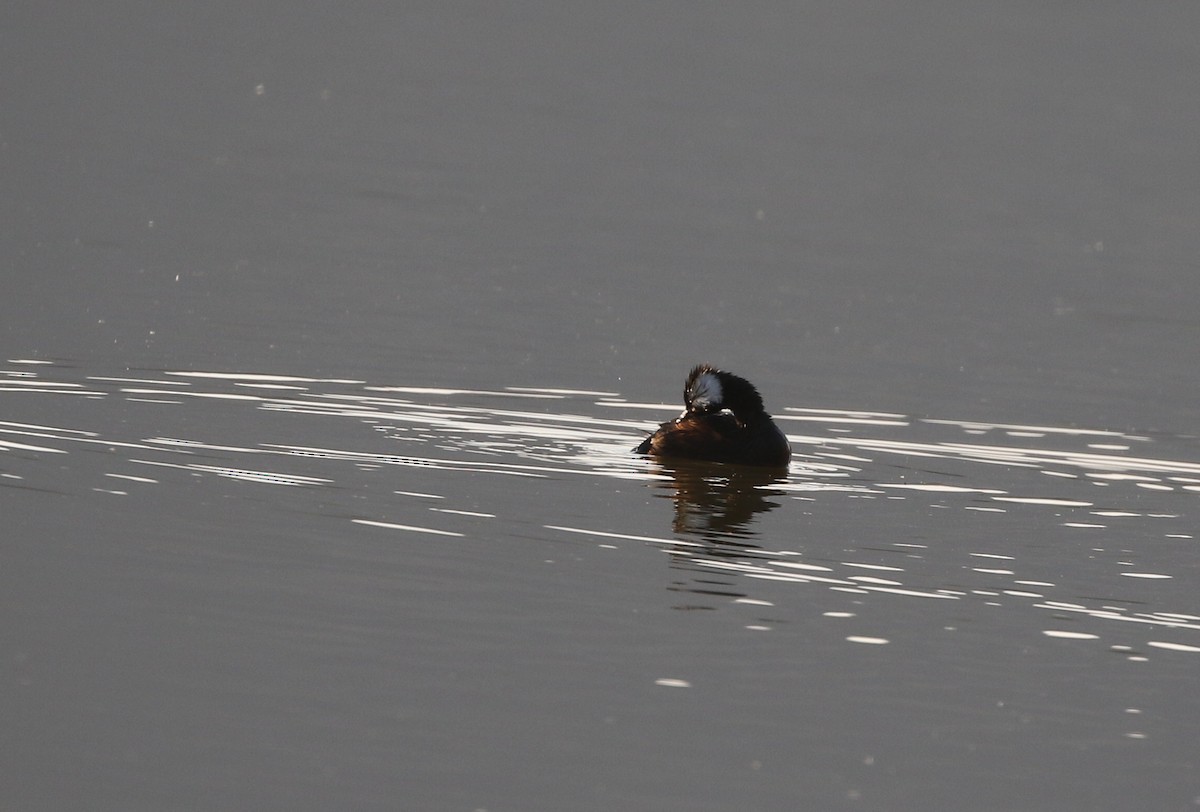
column 717, row 503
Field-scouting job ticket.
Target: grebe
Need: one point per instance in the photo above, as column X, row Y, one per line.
column 723, row 421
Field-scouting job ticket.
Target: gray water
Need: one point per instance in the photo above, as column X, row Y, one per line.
column 327, row 334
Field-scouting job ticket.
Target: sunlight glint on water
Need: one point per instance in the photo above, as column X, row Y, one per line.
column 860, row 455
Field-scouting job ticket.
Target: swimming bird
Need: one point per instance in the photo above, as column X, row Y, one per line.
column 723, row 421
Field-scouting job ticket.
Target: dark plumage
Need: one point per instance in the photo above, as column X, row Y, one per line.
column 723, row 421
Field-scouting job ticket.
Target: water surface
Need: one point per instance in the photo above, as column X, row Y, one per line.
column 327, row 335
column 447, row 572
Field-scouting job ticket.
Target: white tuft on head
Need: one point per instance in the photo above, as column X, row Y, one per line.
column 706, row 392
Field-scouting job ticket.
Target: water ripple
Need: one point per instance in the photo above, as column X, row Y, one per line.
column 1117, row 505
